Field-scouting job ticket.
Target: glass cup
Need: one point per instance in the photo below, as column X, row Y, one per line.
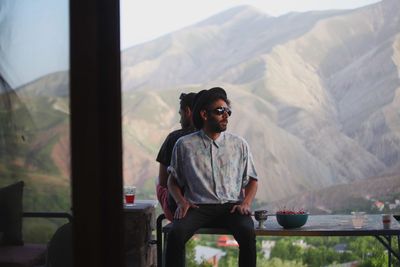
column 386, row 220
column 129, row 195
column 357, row 219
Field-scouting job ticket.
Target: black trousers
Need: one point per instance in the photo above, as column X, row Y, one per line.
column 241, row 226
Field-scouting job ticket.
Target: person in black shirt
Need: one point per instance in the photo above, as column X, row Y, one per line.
column 164, row 155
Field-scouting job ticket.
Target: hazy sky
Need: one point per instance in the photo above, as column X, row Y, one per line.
column 34, row 33
column 145, row 20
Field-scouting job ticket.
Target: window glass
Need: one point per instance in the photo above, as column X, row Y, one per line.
column 34, row 108
column 314, row 91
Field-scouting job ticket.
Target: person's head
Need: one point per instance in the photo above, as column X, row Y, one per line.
column 185, row 109
column 211, row 110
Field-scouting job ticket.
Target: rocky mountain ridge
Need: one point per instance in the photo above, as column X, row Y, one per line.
column 315, row 94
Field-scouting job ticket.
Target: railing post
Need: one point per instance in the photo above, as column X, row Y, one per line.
column 159, row 240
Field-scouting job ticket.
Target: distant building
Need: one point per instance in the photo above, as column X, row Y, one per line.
column 266, row 246
column 301, row 243
column 379, row 205
column 340, row 248
column 208, row 254
column 226, row 241
column 346, row 264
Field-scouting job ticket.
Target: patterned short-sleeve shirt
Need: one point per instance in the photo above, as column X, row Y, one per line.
column 212, row 171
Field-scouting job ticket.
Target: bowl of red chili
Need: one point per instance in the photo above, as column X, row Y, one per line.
column 289, row 219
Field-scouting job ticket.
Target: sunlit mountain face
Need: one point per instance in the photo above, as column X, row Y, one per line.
column 315, row 94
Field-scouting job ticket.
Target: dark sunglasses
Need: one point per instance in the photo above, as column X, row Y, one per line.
column 221, row 111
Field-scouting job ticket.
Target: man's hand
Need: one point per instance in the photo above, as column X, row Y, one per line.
column 250, row 192
column 243, row 208
column 182, row 204
column 182, row 209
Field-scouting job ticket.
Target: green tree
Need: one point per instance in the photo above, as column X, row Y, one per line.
column 276, row 262
column 284, row 249
column 369, row 252
column 231, row 258
column 320, row 256
column 191, row 255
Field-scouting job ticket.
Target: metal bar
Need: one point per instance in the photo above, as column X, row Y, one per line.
column 184, row 256
column 165, row 248
column 398, row 244
column 159, row 240
column 388, row 247
column 33, row 214
column 389, row 239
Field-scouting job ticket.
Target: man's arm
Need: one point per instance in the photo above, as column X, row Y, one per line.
column 250, row 192
column 182, row 204
column 162, row 175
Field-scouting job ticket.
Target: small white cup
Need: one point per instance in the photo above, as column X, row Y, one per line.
column 386, row 220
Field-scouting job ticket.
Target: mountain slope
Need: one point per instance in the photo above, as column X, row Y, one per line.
column 345, row 198
column 315, row 94
column 206, row 50
column 313, row 77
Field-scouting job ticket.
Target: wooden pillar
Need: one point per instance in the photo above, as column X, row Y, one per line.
column 96, row 138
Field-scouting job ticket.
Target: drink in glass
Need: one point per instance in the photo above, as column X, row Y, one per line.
column 129, row 193
column 357, row 219
column 386, row 221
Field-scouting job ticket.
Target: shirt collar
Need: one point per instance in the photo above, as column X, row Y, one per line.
column 208, row 141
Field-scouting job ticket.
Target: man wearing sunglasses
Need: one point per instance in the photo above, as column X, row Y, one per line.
column 216, row 170
column 164, row 155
